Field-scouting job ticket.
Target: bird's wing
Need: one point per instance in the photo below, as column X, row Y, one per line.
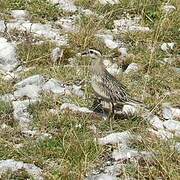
column 116, row 90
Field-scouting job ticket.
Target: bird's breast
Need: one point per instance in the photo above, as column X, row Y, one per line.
column 97, row 85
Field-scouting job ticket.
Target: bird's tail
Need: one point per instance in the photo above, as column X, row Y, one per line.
column 135, row 102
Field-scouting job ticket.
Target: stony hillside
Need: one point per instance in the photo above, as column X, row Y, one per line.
column 49, row 125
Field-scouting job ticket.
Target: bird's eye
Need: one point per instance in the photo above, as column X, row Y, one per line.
column 91, row 52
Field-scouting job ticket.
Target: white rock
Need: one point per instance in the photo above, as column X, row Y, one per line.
column 177, row 147
column 112, row 68
column 30, row 91
column 74, row 108
column 127, row 153
column 68, row 24
column 177, row 70
column 37, row 80
column 19, row 14
column 120, row 137
column 30, row 133
column 172, row 125
column 130, row 110
column 155, row 122
column 66, row 5
column 104, row 2
column 170, row 112
column 7, row 97
column 44, row 136
column 108, row 40
column 162, row 134
column 124, row 154
column 102, row 176
column 4, row 126
column 133, row 67
column 8, row 57
column 2, row 26
column 76, row 90
column 169, row 8
column 114, row 168
column 39, row 30
column 110, row 43
column 56, row 54
column 177, row 133
column 21, row 113
column 54, row 111
column 167, row 112
column 12, row 165
column 129, row 24
column 168, row 60
column 87, row 12
column 167, row 46
column 123, row 52
column 18, row 146
column 54, row 86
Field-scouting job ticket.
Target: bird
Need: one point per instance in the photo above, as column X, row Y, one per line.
column 105, row 85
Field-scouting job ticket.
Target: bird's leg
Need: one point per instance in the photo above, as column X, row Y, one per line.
column 111, row 115
column 112, row 108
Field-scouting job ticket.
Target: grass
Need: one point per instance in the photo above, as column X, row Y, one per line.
column 72, row 152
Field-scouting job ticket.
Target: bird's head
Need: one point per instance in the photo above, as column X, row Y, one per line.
column 91, row 53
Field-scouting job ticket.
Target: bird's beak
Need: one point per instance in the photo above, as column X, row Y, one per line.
column 84, row 53
column 80, row 54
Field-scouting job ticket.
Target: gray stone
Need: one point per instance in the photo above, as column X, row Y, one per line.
column 177, row 146
column 74, row 108
column 123, row 52
column 127, row 153
column 169, row 8
column 124, row 138
column 56, row 54
column 167, row 46
column 172, row 125
column 2, row 26
column 76, row 90
column 30, row 91
column 39, row 30
column 133, row 67
column 130, row 110
column 21, row 113
column 37, row 80
column 19, row 14
column 8, row 56
column 112, row 2
column 68, row 24
column 108, row 40
column 54, row 86
column 129, row 25
column 112, row 68
column 170, row 112
column 66, row 5
column 155, row 122
column 7, row 97
column 162, row 134
column 102, row 177
column 12, row 165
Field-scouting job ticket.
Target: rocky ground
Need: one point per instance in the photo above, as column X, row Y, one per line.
column 48, row 128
